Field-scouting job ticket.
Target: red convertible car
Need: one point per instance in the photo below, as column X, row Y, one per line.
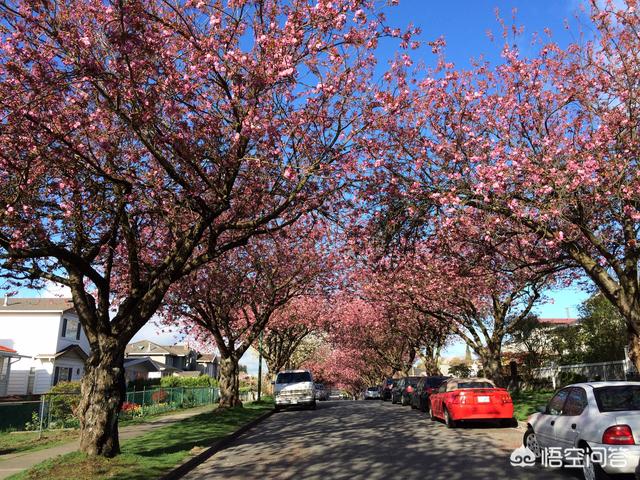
column 460, row 399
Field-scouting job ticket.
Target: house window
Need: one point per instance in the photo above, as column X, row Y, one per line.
column 62, row 374
column 31, row 380
column 71, row 329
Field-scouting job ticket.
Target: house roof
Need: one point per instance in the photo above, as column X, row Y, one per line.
column 16, row 304
column 558, row 321
column 65, row 351
column 147, row 347
column 207, row 358
column 9, row 352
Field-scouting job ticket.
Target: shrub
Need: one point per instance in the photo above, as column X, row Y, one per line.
column 159, row 396
column 188, row 382
column 143, row 384
column 63, row 403
column 567, row 378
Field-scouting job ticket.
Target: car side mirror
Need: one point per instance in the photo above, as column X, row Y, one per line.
column 541, row 409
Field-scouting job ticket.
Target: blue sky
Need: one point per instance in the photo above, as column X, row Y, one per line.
column 464, row 24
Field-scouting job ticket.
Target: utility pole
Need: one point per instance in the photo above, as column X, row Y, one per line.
column 259, row 366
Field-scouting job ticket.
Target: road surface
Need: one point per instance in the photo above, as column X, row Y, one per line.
column 369, row 440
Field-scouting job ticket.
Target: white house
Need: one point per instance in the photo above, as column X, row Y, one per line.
column 47, row 334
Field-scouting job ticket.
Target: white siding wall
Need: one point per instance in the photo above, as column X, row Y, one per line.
column 33, row 334
column 65, row 342
column 29, row 334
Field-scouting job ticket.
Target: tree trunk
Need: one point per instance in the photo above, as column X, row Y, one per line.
column 492, row 366
column 102, row 390
column 229, row 382
column 633, row 342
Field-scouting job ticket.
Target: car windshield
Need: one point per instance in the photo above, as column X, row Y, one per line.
column 293, row 377
column 475, row 385
column 618, row 399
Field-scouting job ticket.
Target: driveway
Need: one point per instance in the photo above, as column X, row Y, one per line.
column 369, row 440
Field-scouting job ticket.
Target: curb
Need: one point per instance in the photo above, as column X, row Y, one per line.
column 522, row 426
column 210, row 451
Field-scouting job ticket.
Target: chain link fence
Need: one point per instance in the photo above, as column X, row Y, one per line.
column 559, row 375
column 57, row 410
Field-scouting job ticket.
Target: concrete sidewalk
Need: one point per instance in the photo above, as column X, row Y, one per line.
column 14, row 463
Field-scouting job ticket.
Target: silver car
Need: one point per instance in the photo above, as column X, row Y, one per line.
column 594, row 426
column 372, row 393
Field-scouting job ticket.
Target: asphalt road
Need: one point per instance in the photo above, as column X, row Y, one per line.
column 370, row 440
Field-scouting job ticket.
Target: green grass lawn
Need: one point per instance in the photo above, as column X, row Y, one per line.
column 526, row 402
column 21, row 442
column 151, row 454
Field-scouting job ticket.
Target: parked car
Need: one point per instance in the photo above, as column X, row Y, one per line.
column 335, row 395
column 294, row 387
column 591, row 416
column 460, row 399
column 401, row 392
column 372, row 393
column 385, row 389
column 322, row 393
column 426, row 386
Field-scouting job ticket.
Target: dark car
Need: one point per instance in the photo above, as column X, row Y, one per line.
column 426, row 386
column 401, row 392
column 385, row 389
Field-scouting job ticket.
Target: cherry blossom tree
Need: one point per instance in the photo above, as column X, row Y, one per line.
column 288, row 339
column 141, row 140
column 547, row 144
column 230, row 302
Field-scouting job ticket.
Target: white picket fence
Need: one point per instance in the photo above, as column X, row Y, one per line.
column 605, row 371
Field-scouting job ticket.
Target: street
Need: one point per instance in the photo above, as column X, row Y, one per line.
column 369, row 440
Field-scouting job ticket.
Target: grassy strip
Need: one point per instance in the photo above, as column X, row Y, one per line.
column 152, row 454
column 22, row 442
column 526, row 402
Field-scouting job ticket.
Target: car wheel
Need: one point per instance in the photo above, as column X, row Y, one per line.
column 591, row 470
column 312, row 406
column 277, row 408
column 531, row 442
column 413, row 404
column 450, row 422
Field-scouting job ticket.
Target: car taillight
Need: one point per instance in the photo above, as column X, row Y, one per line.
column 409, row 389
column 506, row 398
column 618, row 435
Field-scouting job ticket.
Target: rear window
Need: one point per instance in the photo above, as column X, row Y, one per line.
column 293, row 377
column 413, row 381
column 434, row 381
column 618, row 399
column 475, row 385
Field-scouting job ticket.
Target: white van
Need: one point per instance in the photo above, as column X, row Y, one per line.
column 295, row 387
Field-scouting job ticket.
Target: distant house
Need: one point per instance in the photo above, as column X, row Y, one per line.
column 52, row 344
column 180, row 357
column 143, row 368
column 208, row 364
